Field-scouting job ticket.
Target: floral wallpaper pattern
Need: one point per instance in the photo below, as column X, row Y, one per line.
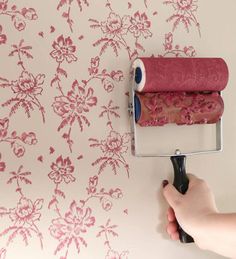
column 60, row 90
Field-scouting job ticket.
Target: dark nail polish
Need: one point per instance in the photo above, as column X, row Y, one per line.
column 164, row 183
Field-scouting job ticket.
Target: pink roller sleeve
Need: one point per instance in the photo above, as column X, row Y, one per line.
column 157, row 109
column 180, row 74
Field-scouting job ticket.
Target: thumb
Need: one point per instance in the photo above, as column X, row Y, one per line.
column 171, row 195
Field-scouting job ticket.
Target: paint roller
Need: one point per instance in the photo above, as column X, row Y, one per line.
column 181, row 91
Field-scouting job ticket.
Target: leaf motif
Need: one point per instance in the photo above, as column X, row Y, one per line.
column 26, row 47
column 25, row 173
column 21, row 43
column 115, row 114
column 54, row 200
column 40, row 79
column 80, row 123
column 24, row 236
column 64, row 123
column 93, row 20
column 11, row 179
column 113, row 166
column 24, row 105
column 77, row 245
column 61, row 245
column 83, row 241
column 176, row 23
column 38, row 204
column 104, row 47
column 113, row 233
column 61, row 72
column 167, row 2
column 7, row 230
column 98, row 42
column 14, row 108
column 11, row 54
column 139, row 46
column 54, row 80
column 114, row 47
column 61, row 3
column 103, row 166
column 85, row 120
column 26, row 53
column 12, row 236
column 99, row 160
column 10, row 101
column 25, row 180
column 60, row 193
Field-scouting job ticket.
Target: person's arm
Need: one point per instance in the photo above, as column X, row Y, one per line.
column 197, row 214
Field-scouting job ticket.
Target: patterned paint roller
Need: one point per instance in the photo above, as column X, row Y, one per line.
column 183, row 91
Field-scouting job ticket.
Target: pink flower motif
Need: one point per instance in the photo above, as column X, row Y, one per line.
column 108, row 85
column 93, row 70
column 184, row 13
column 185, row 5
column 93, row 181
column 77, row 101
column 63, row 50
column 115, row 144
column 168, row 41
column 111, row 254
column 115, row 26
column 28, row 85
column 190, row 51
column 62, row 171
column 26, row 211
column 106, row 204
column 75, row 222
column 140, row 25
column 18, row 150
column 29, row 138
column 116, row 194
column 4, row 123
column 3, row 5
column 3, row 37
column 117, row 75
column 2, row 164
column 29, row 13
column 18, row 23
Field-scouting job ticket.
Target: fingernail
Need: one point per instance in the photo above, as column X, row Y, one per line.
column 164, row 183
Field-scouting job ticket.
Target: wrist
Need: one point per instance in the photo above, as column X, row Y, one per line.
column 202, row 229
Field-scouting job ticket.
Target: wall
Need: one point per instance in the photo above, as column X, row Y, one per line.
column 69, row 186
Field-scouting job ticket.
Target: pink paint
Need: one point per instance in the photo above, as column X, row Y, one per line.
column 120, row 35
column 17, row 142
column 116, row 30
column 158, row 109
column 113, row 148
column 182, row 74
column 52, row 29
column 184, row 13
column 40, row 159
column 51, row 150
column 19, row 16
column 41, row 34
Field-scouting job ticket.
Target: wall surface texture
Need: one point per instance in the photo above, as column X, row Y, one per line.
column 69, row 186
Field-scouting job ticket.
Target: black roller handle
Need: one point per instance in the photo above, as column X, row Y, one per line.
column 181, row 184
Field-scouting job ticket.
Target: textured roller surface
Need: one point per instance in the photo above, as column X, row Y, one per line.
column 180, row 74
column 182, row 108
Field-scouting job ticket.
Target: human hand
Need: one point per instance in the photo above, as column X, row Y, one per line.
column 192, row 210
